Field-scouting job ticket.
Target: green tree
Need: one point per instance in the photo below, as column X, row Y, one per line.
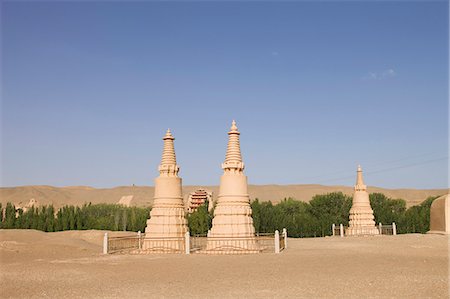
column 58, row 223
column 42, row 214
column 71, row 212
column 78, row 219
column 256, row 214
column 34, row 217
column 64, row 222
column 292, row 216
column 387, row 210
column 50, row 219
column 199, row 221
column 124, row 219
column 133, row 219
column 10, row 216
column 19, row 222
column 417, row 218
column 268, row 217
column 328, row 209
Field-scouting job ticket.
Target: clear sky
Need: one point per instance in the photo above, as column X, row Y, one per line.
column 89, row 88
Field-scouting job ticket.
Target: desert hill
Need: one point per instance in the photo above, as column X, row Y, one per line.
column 143, row 195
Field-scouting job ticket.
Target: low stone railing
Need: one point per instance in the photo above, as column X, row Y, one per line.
column 121, row 243
column 337, row 230
column 261, row 243
column 139, row 244
column 383, row 229
column 387, row 229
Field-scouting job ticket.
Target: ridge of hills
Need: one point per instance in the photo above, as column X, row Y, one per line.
column 143, row 195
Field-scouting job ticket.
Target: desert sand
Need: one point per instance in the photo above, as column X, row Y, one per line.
column 143, row 196
column 70, row 265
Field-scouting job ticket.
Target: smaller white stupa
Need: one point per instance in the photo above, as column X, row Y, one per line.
column 361, row 214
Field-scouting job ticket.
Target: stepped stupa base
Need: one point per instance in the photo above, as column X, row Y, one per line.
column 166, row 223
column 163, row 245
column 362, row 231
column 231, row 245
column 228, row 252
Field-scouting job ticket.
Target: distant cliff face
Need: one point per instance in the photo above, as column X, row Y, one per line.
column 143, row 196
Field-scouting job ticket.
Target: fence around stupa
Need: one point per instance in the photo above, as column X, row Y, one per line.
column 387, row 229
column 140, row 244
column 383, row 229
column 121, row 243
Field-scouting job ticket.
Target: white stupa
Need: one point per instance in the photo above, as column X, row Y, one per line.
column 361, row 214
column 232, row 225
column 167, row 217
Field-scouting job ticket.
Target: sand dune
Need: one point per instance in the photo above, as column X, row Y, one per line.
column 70, row 265
column 143, row 196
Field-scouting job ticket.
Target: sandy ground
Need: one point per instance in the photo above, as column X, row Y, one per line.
column 70, row 265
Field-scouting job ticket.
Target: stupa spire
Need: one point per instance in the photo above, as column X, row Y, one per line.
column 359, row 180
column 168, row 166
column 233, row 157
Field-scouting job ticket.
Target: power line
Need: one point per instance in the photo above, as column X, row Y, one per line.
column 389, row 169
column 369, row 166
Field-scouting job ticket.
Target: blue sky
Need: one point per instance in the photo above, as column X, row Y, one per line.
column 89, row 88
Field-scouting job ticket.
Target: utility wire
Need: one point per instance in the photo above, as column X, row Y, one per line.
column 389, row 169
column 369, row 166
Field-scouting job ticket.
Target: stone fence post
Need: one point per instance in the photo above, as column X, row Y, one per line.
column 105, row 243
column 333, row 227
column 285, row 237
column 380, row 228
column 394, row 229
column 139, row 240
column 187, row 243
column 277, row 241
column 341, row 230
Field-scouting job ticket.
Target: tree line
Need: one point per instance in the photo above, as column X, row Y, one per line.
column 99, row 216
column 301, row 219
column 315, row 218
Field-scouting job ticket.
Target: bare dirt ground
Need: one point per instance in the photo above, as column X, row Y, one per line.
column 70, row 265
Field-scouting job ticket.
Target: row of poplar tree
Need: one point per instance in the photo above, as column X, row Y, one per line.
column 301, row 219
column 89, row 216
column 315, row 218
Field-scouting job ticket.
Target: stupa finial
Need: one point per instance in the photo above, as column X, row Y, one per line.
column 233, row 127
column 168, row 135
column 233, row 158
column 168, row 164
column 359, row 180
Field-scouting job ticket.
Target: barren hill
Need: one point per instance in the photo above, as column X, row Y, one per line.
column 143, row 196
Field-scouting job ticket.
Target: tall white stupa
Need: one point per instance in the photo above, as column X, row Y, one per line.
column 361, row 214
column 232, row 225
column 167, row 217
